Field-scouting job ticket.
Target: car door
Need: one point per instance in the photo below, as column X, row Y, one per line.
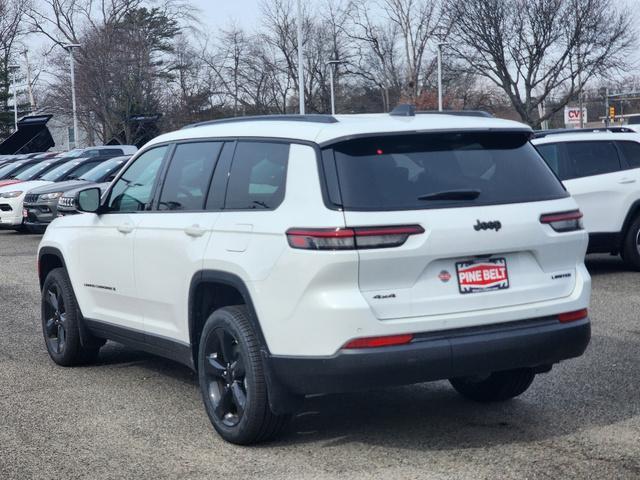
column 591, row 172
column 104, row 247
column 170, row 241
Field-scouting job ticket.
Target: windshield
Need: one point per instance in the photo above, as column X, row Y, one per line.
column 8, row 169
column 60, row 171
column 439, row 170
column 33, row 171
column 101, row 171
column 78, row 152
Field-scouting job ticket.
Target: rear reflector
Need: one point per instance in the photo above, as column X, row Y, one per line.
column 563, row 221
column 351, row 238
column 573, row 316
column 373, row 342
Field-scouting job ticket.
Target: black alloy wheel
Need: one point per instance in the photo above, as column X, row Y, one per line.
column 226, row 377
column 55, row 319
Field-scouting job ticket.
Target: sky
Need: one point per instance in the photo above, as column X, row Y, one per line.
column 219, row 13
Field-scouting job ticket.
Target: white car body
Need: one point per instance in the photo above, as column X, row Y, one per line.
column 609, row 199
column 11, row 207
column 135, row 274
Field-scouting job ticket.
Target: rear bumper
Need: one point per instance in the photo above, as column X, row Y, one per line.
column 437, row 355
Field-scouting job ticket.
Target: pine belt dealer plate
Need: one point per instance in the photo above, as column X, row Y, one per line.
column 475, row 276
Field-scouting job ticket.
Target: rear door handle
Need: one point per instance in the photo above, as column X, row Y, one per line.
column 627, row 180
column 194, row 231
column 125, row 228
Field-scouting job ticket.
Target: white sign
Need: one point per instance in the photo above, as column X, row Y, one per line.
column 572, row 116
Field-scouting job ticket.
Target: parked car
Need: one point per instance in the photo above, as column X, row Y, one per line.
column 41, row 204
column 357, row 252
column 12, row 196
column 601, row 170
column 68, row 202
column 34, row 172
column 9, row 171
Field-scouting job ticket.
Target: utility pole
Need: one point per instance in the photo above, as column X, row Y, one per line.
column 300, row 60
column 606, row 106
column 69, row 47
column 440, row 45
column 32, row 101
column 331, row 64
column 13, row 68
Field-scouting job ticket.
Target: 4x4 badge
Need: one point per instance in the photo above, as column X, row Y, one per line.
column 493, row 225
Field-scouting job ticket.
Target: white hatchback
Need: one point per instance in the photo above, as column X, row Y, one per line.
column 295, row 255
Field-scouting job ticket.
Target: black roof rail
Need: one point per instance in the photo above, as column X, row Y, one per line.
column 408, row 110
column 309, row 118
column 560, row 131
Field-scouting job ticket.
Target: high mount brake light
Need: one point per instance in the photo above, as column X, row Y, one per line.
column 373, row 342
column 573, row 316
column 563, row 221
column 351, row 238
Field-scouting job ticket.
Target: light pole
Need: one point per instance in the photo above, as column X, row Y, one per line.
column 440, row 45
column 300, row 60
column 13, row 68
column 331, row 63
column 69, row 47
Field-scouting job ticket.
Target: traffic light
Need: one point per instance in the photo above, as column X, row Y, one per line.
column 612, row 113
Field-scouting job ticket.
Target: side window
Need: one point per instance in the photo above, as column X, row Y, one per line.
column 84, row 168
column 592, row 158
column 187, row 180
column 631, row 152
column 258, row 175
column 551, row 154
column 133, row 190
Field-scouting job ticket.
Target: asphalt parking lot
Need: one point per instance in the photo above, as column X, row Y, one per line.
column 137, row 416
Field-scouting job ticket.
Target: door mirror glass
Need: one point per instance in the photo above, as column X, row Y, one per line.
column 89, row 200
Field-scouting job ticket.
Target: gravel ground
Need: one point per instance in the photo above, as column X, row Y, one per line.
column 137, row 416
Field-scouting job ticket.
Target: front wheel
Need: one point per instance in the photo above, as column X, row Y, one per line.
column 60, row 318
column 232, row 379
column 631, row 245
column 495, row 387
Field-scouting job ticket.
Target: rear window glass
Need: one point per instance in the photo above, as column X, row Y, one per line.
column 437, row 170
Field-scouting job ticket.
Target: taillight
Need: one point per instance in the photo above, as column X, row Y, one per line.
column 573, row 316
column 351, row 238
column 563, row 221
column 373, row 342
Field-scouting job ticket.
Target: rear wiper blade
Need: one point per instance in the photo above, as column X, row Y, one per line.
column 451, row 195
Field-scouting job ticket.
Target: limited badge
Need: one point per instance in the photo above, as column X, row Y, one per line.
column 444, row 276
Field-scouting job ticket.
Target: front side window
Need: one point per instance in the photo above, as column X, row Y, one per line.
column 132, row 192
column 438, row 170
column 257, row 177
column 187, row 180
column 586, row 159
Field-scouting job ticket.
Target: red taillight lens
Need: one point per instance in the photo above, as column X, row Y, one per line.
column 373, row 342
column 563, row 221
column 351, row 238
column 573, row 316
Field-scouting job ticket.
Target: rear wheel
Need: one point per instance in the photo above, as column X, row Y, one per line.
column 631, row 245
column 496, row 387
column 232, row 379
column 60, row 317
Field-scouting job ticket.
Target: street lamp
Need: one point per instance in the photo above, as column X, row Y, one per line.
column 13, row 68
column 300, row 60
column 331, row 63
column 440, row 45
column 69, row 47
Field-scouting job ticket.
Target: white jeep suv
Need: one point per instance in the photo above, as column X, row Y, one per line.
column 601, row 170
column 295, row 255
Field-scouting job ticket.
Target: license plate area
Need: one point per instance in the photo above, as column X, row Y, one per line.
column 482, row 275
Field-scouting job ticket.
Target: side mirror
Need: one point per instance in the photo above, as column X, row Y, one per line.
column 89, row 200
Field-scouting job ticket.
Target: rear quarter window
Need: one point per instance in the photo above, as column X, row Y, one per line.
column 442, row 170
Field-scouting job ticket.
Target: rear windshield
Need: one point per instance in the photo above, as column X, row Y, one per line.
column 440, row 170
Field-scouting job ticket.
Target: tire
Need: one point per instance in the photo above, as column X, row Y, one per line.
column 60, row 316
column 631, row 245
column 232, row 379
column 497, row 387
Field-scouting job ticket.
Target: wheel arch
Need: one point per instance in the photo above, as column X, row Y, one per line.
column 48, row 259
column 632, row 213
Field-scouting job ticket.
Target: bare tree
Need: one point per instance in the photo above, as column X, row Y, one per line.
column 535, row 50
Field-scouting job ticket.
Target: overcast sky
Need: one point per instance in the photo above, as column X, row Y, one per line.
column 220, row 12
